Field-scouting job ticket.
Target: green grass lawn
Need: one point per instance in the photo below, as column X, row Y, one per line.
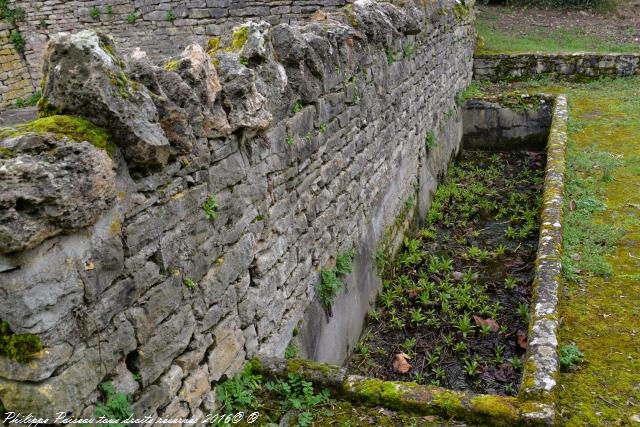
column 541, row 39
column 600, row 301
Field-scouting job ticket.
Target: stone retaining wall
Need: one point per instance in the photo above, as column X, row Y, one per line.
column 15, row 80
column 575, row 66
column 192, row 240
column 161, row 27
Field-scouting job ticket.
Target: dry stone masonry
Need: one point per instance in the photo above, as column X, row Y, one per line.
column 159, row 27
column 16, row 81
column 191, row 237
column 573, row 66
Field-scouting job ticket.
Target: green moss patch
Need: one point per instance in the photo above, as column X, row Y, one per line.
column 74, row 128
column 18, row 347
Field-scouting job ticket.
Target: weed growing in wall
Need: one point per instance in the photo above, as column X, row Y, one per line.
column 330, row 283
column 94, row 12
column 189, row 282
column 115, row 405
column 297, row 107
column 170, row 17
column 408, row 51
column 210, row 207
column 29, row 101
column 328, row 287
column 18, row 41
column 430, row 140
column 132, row 18
column 390, row 56
column 11, row 15
column 344, row 262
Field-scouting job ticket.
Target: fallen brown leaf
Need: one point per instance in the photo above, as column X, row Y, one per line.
column 400, row 363
column 522, row 339
column 572, row 206
column 486, row 322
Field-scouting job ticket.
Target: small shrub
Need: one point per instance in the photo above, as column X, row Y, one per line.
column 170, row 17
column 210, row 207
column 109, row 10
column 94, row 12
column 115, row 406
column 570, row 356
column 43, row 24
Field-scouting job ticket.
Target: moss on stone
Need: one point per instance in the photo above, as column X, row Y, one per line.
column 45, row 108
column 18, row 347
column 171, row 65
column 298, row 366
column 351, row 17
column 74, row 128
column 121, row 82
column 448, row 401
column 6, row 153
column 498, row 408
column 461, row 11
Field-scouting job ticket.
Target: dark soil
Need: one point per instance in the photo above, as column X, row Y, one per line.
column 474, row 257
column 621, row 25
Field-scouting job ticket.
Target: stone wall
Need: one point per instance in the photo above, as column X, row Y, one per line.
column 577, row 66
column 159, row 27
column 193, row 240
column 15, row 80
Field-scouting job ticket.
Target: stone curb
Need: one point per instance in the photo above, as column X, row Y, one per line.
column 541, row 368
column 573, row 66
column 489, row 410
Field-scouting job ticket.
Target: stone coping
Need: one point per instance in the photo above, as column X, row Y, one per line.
column 573, row 66
column 541, row 367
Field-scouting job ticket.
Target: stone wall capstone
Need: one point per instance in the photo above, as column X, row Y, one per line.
column 232, row 177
